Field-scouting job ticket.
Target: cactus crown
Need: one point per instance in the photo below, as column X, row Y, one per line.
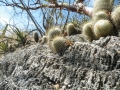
column 35, row 36
column 58, row 44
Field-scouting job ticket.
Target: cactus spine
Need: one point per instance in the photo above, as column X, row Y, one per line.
column 71, row 29
column 103, row 28
column 58, row 44
column 35, row 36
column 87, row 31
column 116, row 16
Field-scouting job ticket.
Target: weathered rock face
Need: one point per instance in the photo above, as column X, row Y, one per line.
column 84, row 66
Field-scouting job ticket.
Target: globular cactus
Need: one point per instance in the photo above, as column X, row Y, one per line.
column 44, row 39
column 103, row 28
column 116, row 16
column 54, row 32
column 102, row 5
column 101, row 15
column 70, row 29
column 36, row 36
column 88, row 32
column 58, row 44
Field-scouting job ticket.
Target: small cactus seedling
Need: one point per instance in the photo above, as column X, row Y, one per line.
column 116, row 16
column 101, row 15
column 88, row 32
column 102, row 5
column 59, row 44
column 3, row 47
column 35, row 36
column 71, row 29
column 103, row 28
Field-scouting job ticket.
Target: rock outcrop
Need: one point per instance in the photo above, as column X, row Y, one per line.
column 83, row 66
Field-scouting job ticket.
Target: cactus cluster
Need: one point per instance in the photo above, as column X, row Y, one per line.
column 103, row 22
column 52, row 33
column 56, row 42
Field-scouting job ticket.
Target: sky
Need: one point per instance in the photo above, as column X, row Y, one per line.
column 7, row 13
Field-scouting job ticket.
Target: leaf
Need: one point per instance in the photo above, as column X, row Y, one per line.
column 21, row 38
column 4, row 47
column 4, row 30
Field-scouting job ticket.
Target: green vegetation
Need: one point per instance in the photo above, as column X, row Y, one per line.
column 21, row 37
column 3, row 47
column 17, row 38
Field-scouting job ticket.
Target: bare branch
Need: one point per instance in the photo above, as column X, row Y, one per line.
column 65, row 6
column 32, row 18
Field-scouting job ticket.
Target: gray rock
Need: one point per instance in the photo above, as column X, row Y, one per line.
column 84, row 66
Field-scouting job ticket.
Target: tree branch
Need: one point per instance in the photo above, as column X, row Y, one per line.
column 32, row 18
column 70, row 7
